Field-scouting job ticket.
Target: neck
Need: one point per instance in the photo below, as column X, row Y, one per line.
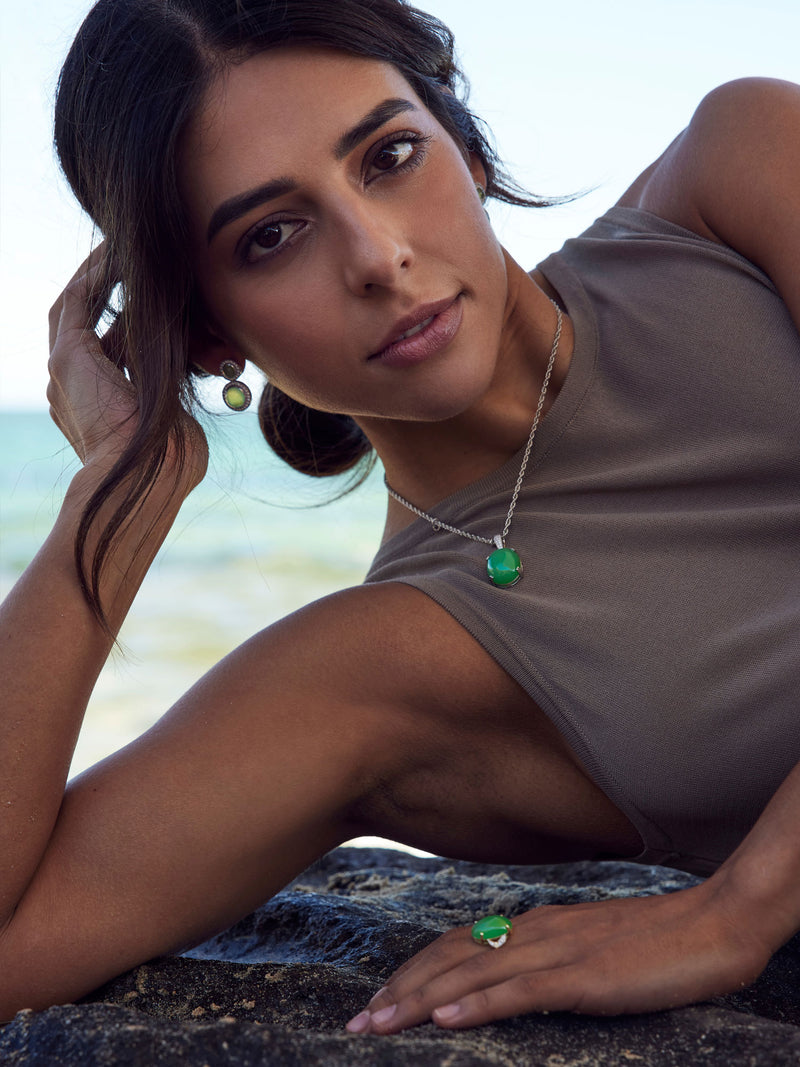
column 494, row 428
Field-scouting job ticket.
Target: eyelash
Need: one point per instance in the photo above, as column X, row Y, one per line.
column 419, row 143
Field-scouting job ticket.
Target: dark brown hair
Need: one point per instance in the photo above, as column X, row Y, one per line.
column 136, row 73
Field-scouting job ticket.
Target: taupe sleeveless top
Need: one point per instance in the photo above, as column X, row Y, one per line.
column 658, row 619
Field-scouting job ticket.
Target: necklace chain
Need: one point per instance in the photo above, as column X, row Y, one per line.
column 438, row 524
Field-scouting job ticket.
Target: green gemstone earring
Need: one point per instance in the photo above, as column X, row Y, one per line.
column 479, row 189
column 235, row 394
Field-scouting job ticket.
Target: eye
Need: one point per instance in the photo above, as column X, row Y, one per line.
column 267, row 238
column 393, row 155
column 399, row 153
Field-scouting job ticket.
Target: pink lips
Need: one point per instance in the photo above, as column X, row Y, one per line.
column 441, row 322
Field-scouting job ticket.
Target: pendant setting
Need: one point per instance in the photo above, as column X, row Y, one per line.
column 503, row 566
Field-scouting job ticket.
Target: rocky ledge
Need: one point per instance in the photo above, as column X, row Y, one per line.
column 277, row 988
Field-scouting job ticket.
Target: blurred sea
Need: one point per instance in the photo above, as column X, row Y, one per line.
column 248, row 547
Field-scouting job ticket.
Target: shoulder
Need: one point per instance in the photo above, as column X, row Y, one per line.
column 369, row 645
column 732, row 176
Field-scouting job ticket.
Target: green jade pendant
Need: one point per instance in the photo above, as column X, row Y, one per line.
column 493, row 930
column 503, row 566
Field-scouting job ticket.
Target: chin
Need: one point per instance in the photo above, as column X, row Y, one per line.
column 439, row 408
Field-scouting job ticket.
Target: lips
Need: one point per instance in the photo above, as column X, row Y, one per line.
column 421, row 334
column 416, row 329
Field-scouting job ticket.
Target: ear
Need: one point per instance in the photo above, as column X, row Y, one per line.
column 208, row 349
column 476, row 170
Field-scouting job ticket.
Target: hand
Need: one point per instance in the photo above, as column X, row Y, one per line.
column 91, row 401
column 612, row 957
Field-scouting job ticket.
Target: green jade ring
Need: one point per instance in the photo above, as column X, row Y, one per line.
column 494, row 930
column 503, row 566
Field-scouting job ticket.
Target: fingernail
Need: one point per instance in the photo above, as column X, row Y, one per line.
column 384, row 1015
column 358, row 1024
column 380, row 993
column 447, row 1011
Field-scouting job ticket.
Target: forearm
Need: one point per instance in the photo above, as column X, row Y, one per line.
column 52, row 648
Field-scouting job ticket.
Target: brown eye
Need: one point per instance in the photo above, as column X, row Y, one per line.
column 393, row 155
column 268, row 236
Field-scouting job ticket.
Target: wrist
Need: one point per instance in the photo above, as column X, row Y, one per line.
column 758, row 886
column 125, row 560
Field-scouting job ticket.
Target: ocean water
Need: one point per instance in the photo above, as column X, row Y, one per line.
column 249, row 547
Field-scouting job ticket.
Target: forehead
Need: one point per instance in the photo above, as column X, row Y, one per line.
column 278, row 109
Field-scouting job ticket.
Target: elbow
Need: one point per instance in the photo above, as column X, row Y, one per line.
column 28, row 978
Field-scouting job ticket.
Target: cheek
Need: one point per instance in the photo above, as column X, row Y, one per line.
column 454, row 229
column 294, row 339
column 266, row 322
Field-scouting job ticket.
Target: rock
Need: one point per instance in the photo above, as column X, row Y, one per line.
column 277, row 988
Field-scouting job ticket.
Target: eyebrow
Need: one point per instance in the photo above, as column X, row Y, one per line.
column 381, row 113
column 233, row 209
column 240, row 205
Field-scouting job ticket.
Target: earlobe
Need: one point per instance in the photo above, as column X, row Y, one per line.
column 208, row 350
column 477, row 171
column 221, row 360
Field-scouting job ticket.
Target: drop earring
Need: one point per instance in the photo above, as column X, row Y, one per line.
column 479, row 189
column 236, row 394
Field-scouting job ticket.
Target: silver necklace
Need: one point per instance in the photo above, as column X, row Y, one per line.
column 503, row 565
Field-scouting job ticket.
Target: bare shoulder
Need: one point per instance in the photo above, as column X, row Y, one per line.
column 743, row 139
column 731, row 176
column 366, row 635
column 386, row 645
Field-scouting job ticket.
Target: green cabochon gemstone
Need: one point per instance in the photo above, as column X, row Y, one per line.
column 236, row 396
column 491, row 928
column 504, row 567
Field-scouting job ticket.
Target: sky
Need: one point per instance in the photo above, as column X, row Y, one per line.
column 580, row 95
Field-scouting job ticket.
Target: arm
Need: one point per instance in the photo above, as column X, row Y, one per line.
column 731, row 177
column 614, row 957
column 249, row 778
column 52, row 646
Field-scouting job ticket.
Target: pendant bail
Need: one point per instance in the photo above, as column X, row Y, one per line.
column 498, row 541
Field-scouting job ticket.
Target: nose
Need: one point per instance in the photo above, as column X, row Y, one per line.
column 375, row 251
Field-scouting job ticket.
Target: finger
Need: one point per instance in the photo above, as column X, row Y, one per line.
column 112, row 343
column 78, row 287
column 448, row 951
column 542, row 991
column 588, row 987
column 483, row 969
column 440, row 956
column 62, row 427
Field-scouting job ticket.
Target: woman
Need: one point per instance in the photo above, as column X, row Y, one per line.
column 302, row 188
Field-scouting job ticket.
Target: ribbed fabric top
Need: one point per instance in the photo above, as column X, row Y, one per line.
column 658, row 619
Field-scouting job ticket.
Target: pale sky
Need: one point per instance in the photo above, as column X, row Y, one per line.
column 579, row 95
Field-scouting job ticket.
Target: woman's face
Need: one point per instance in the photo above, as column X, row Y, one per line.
column 330, row 215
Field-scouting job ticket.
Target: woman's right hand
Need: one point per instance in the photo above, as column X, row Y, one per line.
column 91, row 401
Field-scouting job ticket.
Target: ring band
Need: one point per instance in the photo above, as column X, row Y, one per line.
column 493, row 930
